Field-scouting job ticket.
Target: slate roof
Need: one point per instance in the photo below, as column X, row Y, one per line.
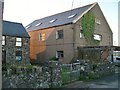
column 14, row 29
column 58, row 19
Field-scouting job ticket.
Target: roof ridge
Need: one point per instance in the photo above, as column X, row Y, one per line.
column 11, row 22
column 66, row 11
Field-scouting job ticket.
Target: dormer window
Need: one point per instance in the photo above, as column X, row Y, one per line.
column 71, row 16
column 38, row 24
column 28, row 26
column 53, row 20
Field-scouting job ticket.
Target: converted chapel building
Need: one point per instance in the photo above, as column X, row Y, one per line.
column 61, row 34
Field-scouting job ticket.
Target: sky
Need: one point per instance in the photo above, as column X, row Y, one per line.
column 26, row 11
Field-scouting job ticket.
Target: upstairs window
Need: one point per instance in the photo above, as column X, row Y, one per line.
column 81, row 34
column 19, row 42
column 98, row 37
column 59, row 54
column 42, row 37
column 3, row 40
column 97, row 21
column 18, row 55
column 59, row 34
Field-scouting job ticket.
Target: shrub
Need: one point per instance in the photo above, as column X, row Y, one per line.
column 54, row 59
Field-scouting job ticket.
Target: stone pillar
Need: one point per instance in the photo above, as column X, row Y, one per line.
column 1, row 18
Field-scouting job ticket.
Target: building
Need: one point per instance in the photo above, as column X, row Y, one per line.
column 61, row 34
column 15, row 43
column 1, row 18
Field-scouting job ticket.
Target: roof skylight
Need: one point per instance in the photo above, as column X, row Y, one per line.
column 71, row 16
column 28, row 26
column 38, row 24
column 53, row 20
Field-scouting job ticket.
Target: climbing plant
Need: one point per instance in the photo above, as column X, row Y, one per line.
column 88, row 26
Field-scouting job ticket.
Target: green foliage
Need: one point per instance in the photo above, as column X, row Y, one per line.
column 54, row 59
column 65, row 78
column 29, row 66
column 88, row 26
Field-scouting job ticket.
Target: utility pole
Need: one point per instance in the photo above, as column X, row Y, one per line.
column 72, row 4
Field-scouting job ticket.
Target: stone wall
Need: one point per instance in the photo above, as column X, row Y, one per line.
column 11, row 49
column 50, row 75
column 96, row 70
column 34, row 77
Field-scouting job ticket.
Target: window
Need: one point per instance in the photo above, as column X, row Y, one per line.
column 71, row 16
column 28, row 26
column 97, row 21
column 53, row 20
column 3, row 40
column 19, row 42
column 38, row 24
column 59, row 54
column 42, row 37
column 98, row 37
column 81, row 34
column 18, row 55
column 59, row 34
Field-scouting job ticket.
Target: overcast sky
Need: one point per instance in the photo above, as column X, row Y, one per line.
column 26, row 11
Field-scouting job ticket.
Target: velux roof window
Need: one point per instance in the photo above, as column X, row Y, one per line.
column 38, row 24
column 71, row 16
column 28, row 26
column 53, row 20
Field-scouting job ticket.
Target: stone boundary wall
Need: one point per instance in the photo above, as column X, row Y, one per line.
column 49, row 75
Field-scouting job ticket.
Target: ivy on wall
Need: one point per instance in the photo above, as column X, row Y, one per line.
column 88, row 26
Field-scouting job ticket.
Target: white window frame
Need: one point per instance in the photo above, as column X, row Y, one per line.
column 60, row 54
column 97, row 21
column 97, row 37
column 18, row 42
column 81, row 34
column 3, row 40
column 42, row 37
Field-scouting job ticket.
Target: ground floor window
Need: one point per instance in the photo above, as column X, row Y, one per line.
column 18, row 55
column 59, row 54
column 3, row 57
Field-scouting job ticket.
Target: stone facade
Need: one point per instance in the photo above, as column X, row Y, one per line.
column 10, row 48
